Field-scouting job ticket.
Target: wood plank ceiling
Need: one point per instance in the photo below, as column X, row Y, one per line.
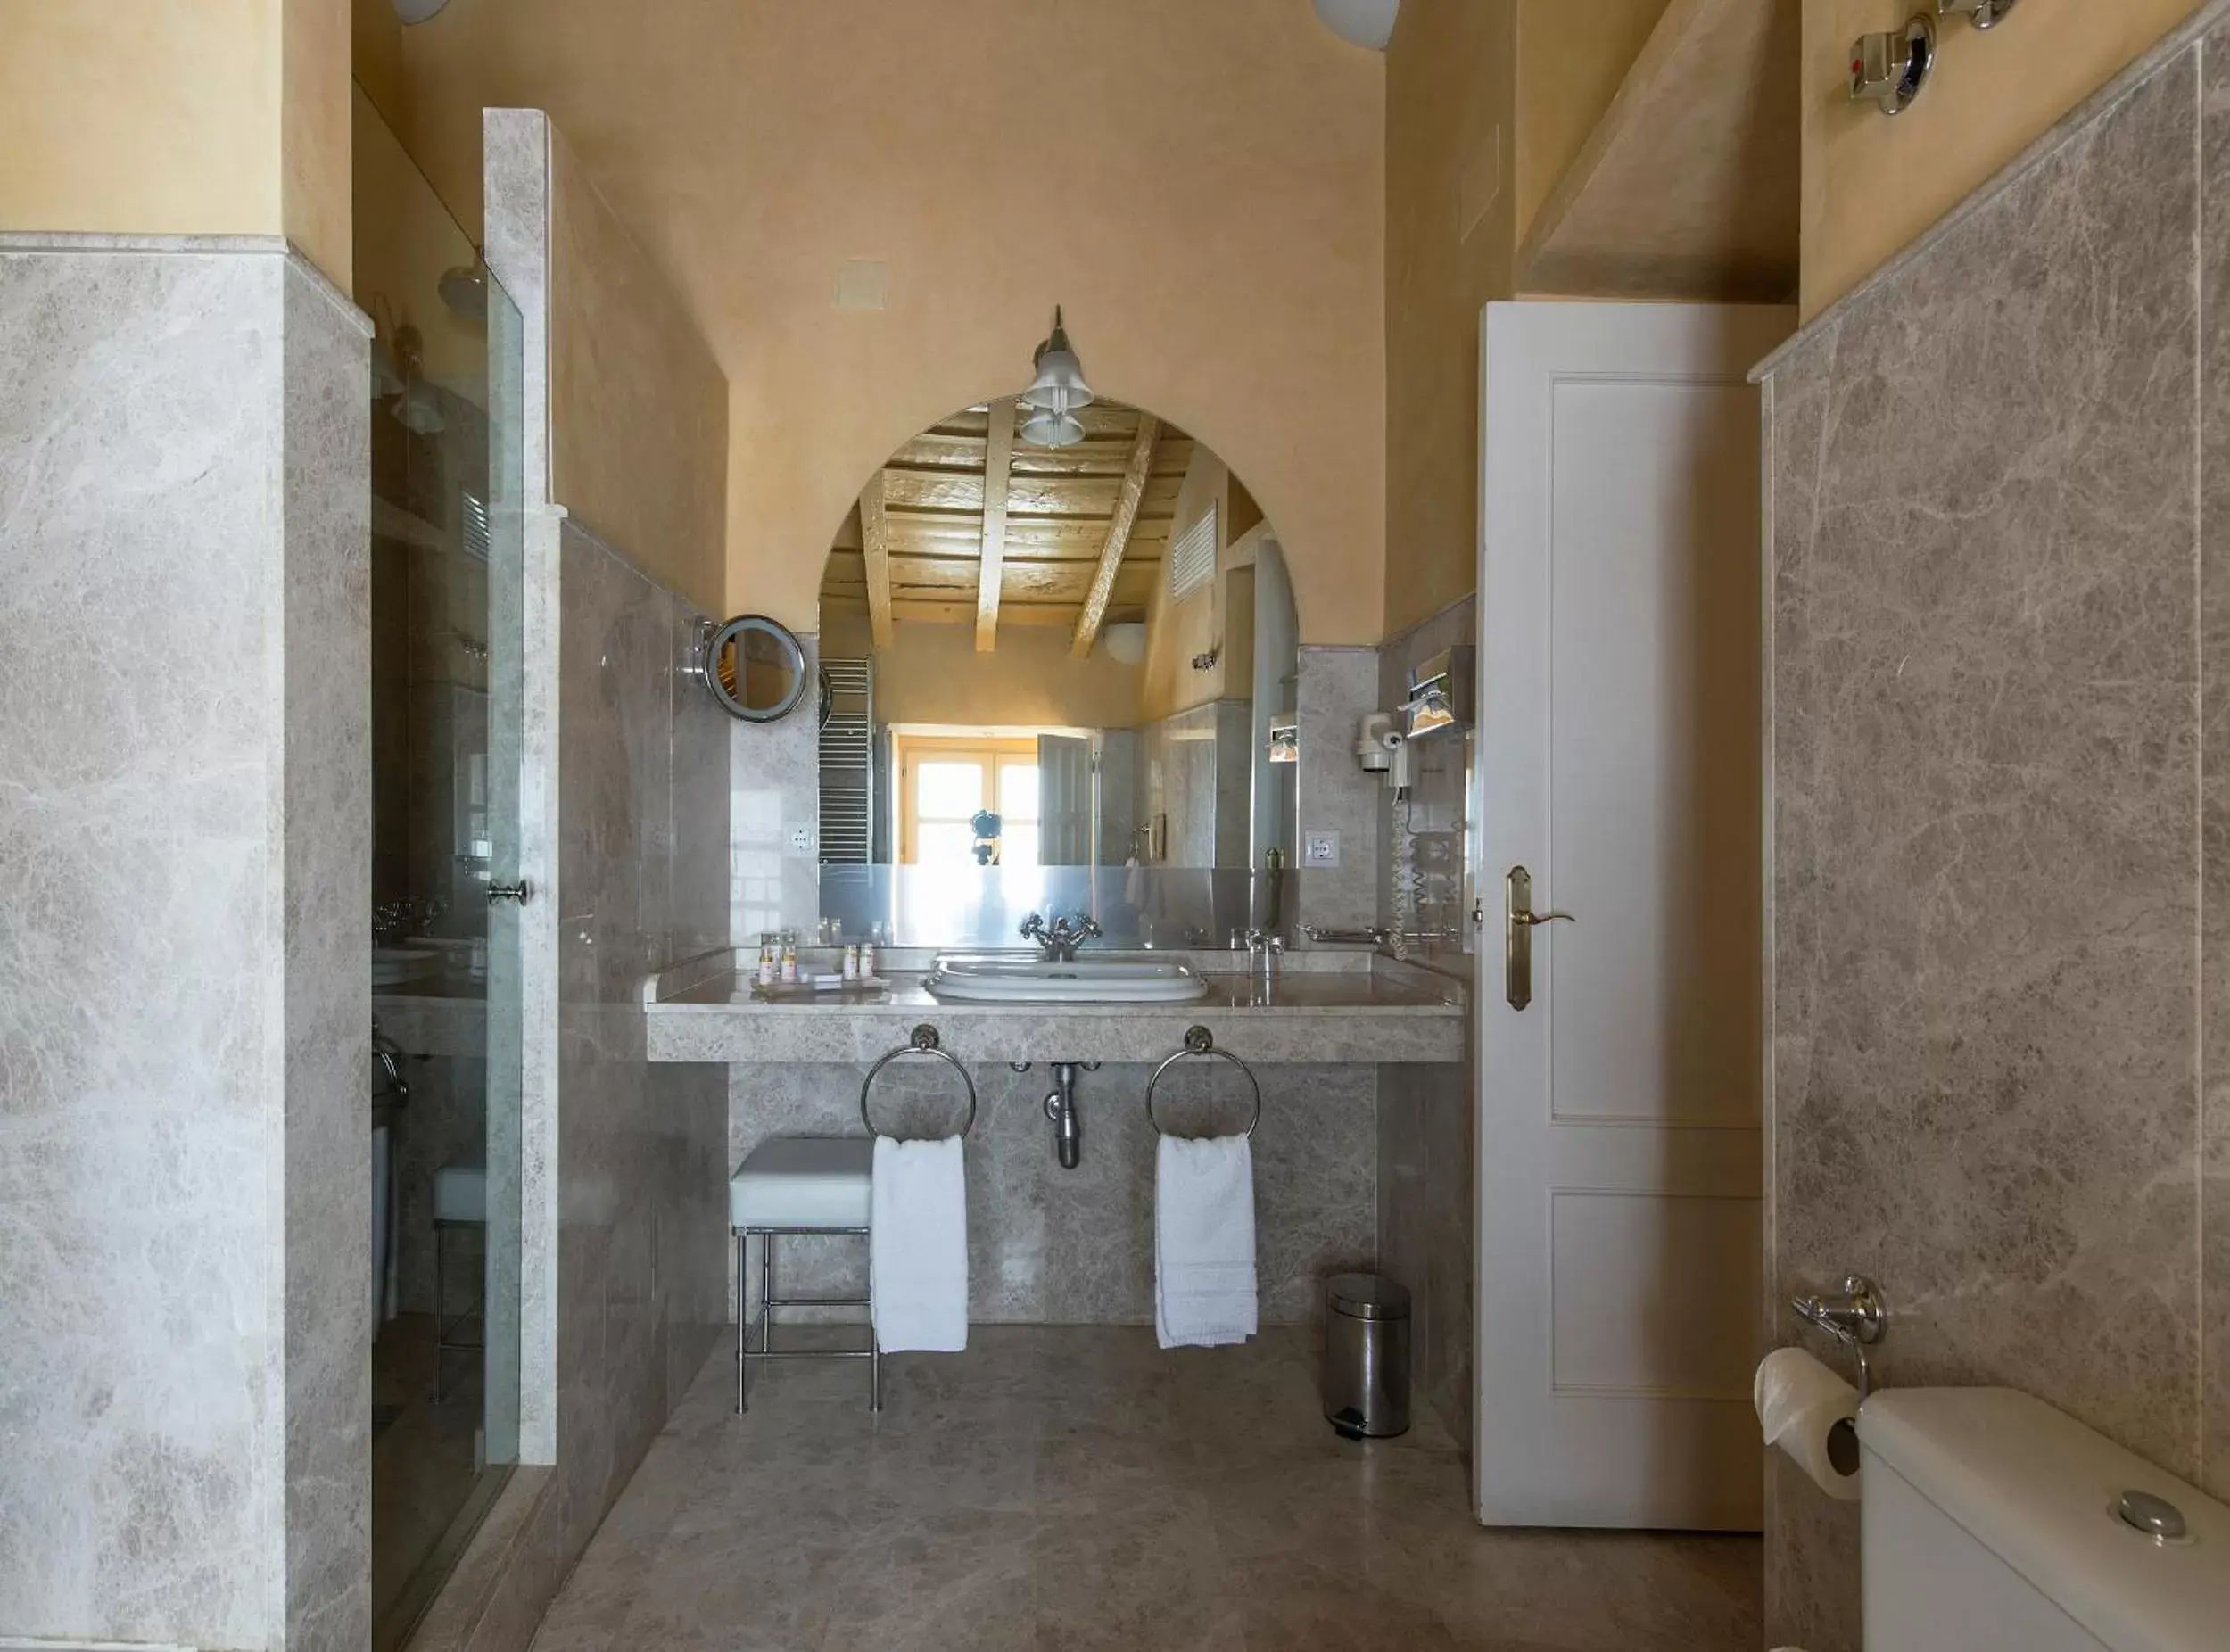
column 936, row 528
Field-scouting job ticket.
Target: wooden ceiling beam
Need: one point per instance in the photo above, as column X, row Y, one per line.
column 998, row 464
column 875, row 549
column 1134, row 488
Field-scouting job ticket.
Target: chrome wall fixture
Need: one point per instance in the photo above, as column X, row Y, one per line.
column 1856, row 1317
column 1889, row 70
column 1982, row 13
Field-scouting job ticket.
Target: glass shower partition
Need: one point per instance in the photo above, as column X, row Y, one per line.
column 448, row 705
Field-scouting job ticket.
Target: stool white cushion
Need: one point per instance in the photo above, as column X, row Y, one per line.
column 461, row 1194
column 804, row 1181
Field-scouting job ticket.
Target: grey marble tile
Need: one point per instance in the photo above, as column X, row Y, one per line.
column 184, row 1011
column 1426, row 1223
column 1076, row 1487
column 774, row 822
column 1053, row 1246
column 326, row 823
column 1983, row 538
column 1338, row 686
column 2214, row 620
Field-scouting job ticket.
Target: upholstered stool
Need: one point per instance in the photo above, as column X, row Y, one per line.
column 460, row 1200
column 801, row 1184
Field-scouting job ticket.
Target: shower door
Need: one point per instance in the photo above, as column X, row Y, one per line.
column 447, row 580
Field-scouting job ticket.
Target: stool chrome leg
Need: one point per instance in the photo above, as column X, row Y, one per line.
column 766, row 1292
column 740, row 1404
column 874, row 1343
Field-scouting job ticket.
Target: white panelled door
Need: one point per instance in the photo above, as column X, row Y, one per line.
column 1620, row 1174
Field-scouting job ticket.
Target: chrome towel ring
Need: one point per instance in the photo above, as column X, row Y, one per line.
column 923, row 1041
column 1200, row 1041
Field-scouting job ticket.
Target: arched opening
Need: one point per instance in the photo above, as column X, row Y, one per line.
column 1060, row 680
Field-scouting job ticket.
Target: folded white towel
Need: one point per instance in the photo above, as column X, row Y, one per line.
column 1133, row 883
column 1203, row 1241
column 917, row 1247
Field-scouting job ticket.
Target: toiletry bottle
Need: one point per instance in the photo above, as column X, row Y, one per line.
column 766, row 961
column 790, row 959
column 867, row 957
column 852, row 962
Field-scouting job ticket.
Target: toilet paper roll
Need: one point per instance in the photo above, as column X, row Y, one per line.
column 1799, row 1403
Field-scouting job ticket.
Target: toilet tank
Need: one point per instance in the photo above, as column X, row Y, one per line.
column 1989, row 1523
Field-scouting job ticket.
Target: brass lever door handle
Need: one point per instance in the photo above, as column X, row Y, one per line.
column 1519, row 921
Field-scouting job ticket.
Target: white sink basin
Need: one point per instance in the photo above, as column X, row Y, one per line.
column 960, row 978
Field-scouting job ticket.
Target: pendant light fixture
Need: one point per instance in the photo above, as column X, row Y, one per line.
column 1055, row 393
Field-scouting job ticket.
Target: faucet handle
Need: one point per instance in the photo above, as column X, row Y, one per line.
column 1033, row 927
column 1090, row 927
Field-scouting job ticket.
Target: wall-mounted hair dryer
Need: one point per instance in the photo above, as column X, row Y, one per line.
column 1383, row 748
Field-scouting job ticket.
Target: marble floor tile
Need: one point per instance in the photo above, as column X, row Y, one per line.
column 1075, row 1487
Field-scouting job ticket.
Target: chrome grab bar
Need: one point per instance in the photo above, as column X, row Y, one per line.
column 1200, row 1041
column 923, row 1041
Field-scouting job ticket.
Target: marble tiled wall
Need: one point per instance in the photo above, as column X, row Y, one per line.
column 1426, row 1215
column 184, row 820
column 643, row 798
column 1997, row 493
column 1076, row 1247
column 774, row 820
column 1338, row 685
column 624, row 790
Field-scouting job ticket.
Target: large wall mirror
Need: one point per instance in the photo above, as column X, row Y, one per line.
column 1060, row 680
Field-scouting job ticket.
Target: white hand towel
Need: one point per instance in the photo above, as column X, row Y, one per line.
column 917, row 1245
column 1203, row 1241
column 1133, row 883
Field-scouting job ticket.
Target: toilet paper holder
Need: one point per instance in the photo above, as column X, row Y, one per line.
column 1857, row 1318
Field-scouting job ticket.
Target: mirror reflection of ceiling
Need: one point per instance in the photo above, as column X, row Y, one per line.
column 967, row 523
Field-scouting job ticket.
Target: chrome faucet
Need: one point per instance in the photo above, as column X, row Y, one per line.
column 1059, row 940
column 388, row 1053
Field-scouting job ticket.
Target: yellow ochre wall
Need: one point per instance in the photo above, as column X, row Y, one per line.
column 217, row 117
column 1452, row 144
column 1873, row 184
column 1487, row 101
column 1200, row 184
column 638, row 409
column 932, row 673
column 1574, row 58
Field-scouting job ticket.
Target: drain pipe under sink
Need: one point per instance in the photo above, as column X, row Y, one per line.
column 1061, row 1108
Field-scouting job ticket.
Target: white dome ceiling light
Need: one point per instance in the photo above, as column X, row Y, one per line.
column 1367, row 23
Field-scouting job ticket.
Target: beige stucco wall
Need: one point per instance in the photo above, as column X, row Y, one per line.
column 1200, row 184
column 1451, row 103
column 1575, row 57
column 1871, row 185
column 224, row 117
column 407, row 240
column 638, row 409
column 932, row 673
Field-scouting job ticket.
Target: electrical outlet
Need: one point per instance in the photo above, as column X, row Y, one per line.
column 1321, row 849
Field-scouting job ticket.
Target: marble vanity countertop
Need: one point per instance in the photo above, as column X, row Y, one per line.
column 433, row 1018
column 1392, row 1012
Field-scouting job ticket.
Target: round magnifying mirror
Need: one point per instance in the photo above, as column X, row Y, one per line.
column 758, row 668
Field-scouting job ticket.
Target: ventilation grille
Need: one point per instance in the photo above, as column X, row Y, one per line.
column 847, row 764
column 1193, row 557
